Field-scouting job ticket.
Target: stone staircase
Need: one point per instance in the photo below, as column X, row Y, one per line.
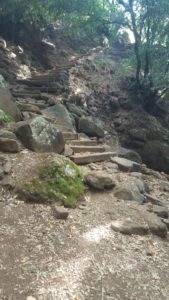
column 39, row 88
column 86, row 151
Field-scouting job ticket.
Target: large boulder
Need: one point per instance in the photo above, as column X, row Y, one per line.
column 129, row 154
column 131, row 191
column 100, row 180
column 6, row 102
column 40, row 136
column 90, row 127
column 60, row 114
column 156, row 155
column 57, row 180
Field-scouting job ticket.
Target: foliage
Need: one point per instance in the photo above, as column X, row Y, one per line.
column 148, row 20
column 58, row 180
column 78, row 15
column 5, row 117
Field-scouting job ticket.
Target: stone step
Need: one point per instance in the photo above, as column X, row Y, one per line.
column 70, row 135
column 28, row 94
column 81, row 149
column 42, row 89
column 81, row 143
column 91, row 158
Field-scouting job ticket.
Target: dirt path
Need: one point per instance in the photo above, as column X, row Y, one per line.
column 77, row 259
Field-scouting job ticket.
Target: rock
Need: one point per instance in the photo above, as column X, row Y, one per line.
column 7, row 167
column 138, row 134
column 90, row 127
column 1, row 174
column 137, row 175
column 135, row 220
column 29, row 107
column 114, row 104
column 68, row 151
column 75, row 109
column 126, row 165
column 56, row 180
column 153, row 200
column 8, row 183
column 165, row 186
column 129, row 227
column 131, row 191
column 129, row 154
column 166, row 222
column 7, row 134
column 9, row 145
column 100, row 180
column 160, row 211
column 60, row 212
column 7, row 104
column 59, row 113
column 40, row 136
column 156, row 155
column 110, row 167
column 31, row 298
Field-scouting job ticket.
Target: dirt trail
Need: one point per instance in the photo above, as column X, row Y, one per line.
column 77, row 259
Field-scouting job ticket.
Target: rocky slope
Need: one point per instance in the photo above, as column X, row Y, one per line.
column 114, row 243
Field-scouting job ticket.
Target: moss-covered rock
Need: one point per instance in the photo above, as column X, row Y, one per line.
column 57, row 180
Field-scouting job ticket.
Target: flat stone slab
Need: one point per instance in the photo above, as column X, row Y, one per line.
column 70, row 135
column 139, row 222
column 81, row 142
column 79, row 149
column 126, row 165
column 89, row 158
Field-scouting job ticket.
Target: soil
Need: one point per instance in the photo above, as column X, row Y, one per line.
column 81, row 258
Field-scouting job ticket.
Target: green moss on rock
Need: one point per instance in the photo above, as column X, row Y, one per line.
column 58, row 180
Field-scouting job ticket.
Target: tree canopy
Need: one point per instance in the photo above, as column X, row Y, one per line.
column 147, row 19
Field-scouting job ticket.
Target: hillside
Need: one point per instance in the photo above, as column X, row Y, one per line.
column 70, row 116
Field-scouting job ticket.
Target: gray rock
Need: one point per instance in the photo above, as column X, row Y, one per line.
column 155, row 155
column 100, row 180
column 7, row 104
column 2, row 175
column 90, row 127
column 60, row 114
column 160, row 211
column 8, row 183
column 9, row 145
column 7, row 167
column 7, row 134
column 129, row 154
column 126, row 165
column 75, row 109
column 165, row 186
column 153, row 200
column 129, row 227
column 140, row 223
column 130, row 191
column 60, row 212
column 138, row 134
column 136, row 175
column 29, row 107
column 68, row 151
column 40, row 136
